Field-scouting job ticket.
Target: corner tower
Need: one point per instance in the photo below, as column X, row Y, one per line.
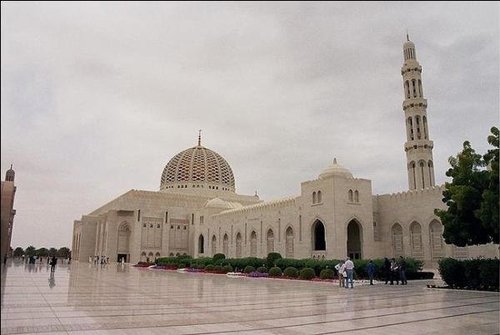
column 418, row 146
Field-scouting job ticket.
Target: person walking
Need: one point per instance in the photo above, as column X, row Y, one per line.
column 387, row 269
column 402, row 270
column 349, row 268
column 394, row 272
column 53, row 263
column 340, row 270
column 370, row 269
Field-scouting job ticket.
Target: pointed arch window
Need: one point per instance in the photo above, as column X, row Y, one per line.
column 201, row 247
column 238, row 245
column 214, row 245
column 289, row 243
column 253, row 244
column 350, row 195
column 225, row 245
column 270, row 241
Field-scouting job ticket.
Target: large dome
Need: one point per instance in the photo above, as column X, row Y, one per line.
column 198, row 167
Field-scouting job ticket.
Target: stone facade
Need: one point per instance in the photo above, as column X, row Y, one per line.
column 7, row 213
column 197, row 211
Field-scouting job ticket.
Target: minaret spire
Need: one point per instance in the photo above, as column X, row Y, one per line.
column 418, row 146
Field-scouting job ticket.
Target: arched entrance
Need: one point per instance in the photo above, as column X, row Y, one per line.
column 238, row 245
column 436, row 240
column 289, row 243
column 270, row 241
column 354, row 234
column 318, row 236
column 253, row 244
column 397, row 240
column 201, row 247
column 416, row 240
column 225, row 245
column 214, row 245
column 123, row 243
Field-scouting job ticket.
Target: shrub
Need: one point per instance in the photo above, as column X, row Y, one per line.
column 472, row 273
column 307, row 273
column 291, row 272
column 262, row 269
column 275, row 272
column 218, row 257
column 271, row 259
column 452, row 272
column 227, row 268
column 326, row 274
column 284, row 263
column 210, row 268
column 258, row 274
column 489, row 272
column 218, row 269
column 419, row 275
column 249, row 269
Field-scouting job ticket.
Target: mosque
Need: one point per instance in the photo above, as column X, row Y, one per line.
column 198, row 212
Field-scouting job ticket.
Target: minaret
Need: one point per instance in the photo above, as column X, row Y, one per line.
column 418, row 146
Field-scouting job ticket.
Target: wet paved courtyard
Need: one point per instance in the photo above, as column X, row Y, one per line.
column 116, row 299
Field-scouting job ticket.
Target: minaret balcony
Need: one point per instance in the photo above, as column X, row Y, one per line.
column 419, row 144
column 414, row 102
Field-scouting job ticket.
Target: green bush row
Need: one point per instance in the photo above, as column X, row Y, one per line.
column 274, row 260
column 476, row 274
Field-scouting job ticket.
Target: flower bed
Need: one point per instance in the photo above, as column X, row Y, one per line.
column 143, row 264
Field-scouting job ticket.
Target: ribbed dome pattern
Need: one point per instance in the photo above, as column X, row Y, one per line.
column 198, row 166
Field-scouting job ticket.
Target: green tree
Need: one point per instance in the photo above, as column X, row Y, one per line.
column 52, row 252
column 42, row 252
column 488, row 212
column 18, row 252
column 63, row 252
column 468, row 219
column 30, row 251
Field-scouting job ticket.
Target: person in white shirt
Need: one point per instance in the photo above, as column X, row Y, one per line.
column 340, row 270
column 349, row 268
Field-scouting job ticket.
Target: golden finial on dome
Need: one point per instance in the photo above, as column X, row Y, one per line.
column 199, row 137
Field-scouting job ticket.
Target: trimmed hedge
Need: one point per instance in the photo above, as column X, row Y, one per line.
column 249, row 269
column 291, row 272
column 218, row 257
column 307, row 273
column 274, row 259
column 271, row 259
column 326, row 274
column 275, row 272
column 262, row 269
column 419, row 275
column 475, row 274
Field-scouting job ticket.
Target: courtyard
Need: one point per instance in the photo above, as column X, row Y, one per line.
column 121, row 299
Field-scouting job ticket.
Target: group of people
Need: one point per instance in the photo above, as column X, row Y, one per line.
column 99, row 260
column 393, row 271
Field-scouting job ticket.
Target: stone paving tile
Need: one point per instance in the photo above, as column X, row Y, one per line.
column 84, row 299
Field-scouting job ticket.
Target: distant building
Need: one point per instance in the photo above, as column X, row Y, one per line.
column 7, row 211
column 198, row 212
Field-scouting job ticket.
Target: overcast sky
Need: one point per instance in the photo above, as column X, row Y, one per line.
column 96, row 98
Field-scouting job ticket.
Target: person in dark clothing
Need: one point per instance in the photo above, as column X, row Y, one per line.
column 394, row 272
column 402, row 271
column 387, row 270
column 370, row 269
column 53, row 263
